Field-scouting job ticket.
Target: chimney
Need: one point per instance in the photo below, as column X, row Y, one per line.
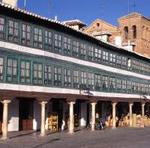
column 10, row 2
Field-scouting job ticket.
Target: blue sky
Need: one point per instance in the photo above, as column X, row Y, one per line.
column 86, row 10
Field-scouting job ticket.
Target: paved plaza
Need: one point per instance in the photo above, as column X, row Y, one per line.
column 108, row 138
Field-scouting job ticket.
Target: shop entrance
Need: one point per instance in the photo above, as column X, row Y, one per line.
column 57, row 108
column 25, row 114
column 1, row 116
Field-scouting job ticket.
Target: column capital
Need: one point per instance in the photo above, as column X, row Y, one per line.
column 71, row 102
column 93, row 103
column 143, row 103
column 43, row 102
column 5, row 101
column 114, row 102
column 131, row 103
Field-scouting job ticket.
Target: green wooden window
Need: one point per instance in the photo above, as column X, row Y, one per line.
column 48, row 40
column 37, row 74
column 119, row 60
column 48, row 75
column 57, row 76
column 76, row 79
column 98, row 81
column 129, row 86
column 75, row 49
column 98, row 55
column 105, row 82
column 91, row 81
column 67, row 77
column 2, row 28
column 13, row 31
column 57, row 43
column 124, row 61
column 83, row 79
column 25, row 72
column 124, row 85
column 105, row 56
column 83, row 51
column 1, row 68
column 118, row 84
column 67, row 46
column 37, row 38
column 12, row 66
column 112, row 83
column 112, row 58
column 90, row 53
column 26, row 35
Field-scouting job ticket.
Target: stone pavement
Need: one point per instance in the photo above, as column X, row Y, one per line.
column 108, row 138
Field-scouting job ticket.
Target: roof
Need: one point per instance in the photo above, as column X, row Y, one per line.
column 74, row 22
column 134, row 14
column 19, row 13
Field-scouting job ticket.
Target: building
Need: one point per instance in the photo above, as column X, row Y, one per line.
column 52, row 74
column 132, row 33
column 10, row 2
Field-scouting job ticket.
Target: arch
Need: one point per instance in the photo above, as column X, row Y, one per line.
column 134, row 29
column 126, row 31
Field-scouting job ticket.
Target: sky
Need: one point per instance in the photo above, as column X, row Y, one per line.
column 86, row 10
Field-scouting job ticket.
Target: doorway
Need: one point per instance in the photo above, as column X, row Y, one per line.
column 25, row 114
column 57, row 108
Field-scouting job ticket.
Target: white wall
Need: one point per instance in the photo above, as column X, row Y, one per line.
column 36, row 115
column 83, row 119
column 13, row 115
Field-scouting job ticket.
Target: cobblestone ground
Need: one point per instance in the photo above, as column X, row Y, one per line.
column 108, row 138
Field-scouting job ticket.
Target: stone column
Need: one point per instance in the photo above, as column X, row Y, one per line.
column 114, row 114
column 43, row 105
column 143, row 109
column 5, row 119
column 71, row 117
column 93, row 104
column 130, row 114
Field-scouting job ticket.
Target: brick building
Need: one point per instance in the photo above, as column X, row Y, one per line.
column 133, row 32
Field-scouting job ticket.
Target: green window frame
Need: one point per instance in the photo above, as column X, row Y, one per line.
column 37, row 38
column 98, row 82
column 112, row 83
column 76, row 79
column 84, row 79
column 1, row 68
column 26, row 34
column 48, row 75
column 105, row 82
column 119, row 60
column 90, row 53
column 25, row 72
column 91, row 81
column 67, row 77
column 75, row 49
column 82, row 51
column 48, row 40
column 105, row 56
column 13, row 31
column 2, row 28
column 57, row 43
column 129, row 86
column 12, row 70
column 118, row 84
column 67, row 45
column 57, row 76
column 37, row 73
column 97, row 54
column 112, row 58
